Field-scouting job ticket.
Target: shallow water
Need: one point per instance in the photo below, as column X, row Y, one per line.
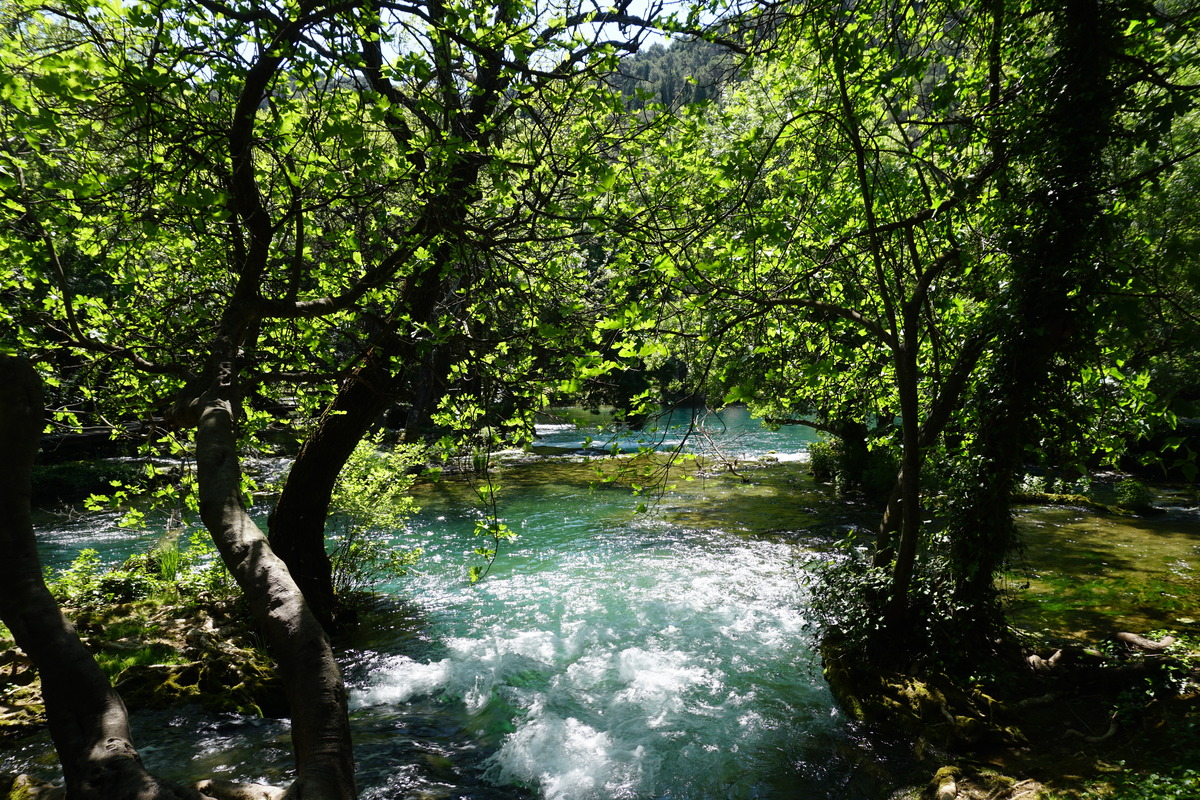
column 615, row 651
column 1091, row 575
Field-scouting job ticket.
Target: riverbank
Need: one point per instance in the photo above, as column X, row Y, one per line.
column 159, row 652
column 1047, row 720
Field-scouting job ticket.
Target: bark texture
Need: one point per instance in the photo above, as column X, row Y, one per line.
column 312, row 680
column 87, row 719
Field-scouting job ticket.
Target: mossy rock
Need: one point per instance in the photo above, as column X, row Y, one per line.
column 852, row 689
column 23, row 787
column 1070, row 500
column 247, row 688
column 21, row 713
column 21, row 708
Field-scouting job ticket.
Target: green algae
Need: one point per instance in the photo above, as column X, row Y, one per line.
column 1086, row 576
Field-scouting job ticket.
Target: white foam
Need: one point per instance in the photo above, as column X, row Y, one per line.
column 400, row 680
column 658, row 673
column 543, row 428
column 569, row 760
column 619, row 683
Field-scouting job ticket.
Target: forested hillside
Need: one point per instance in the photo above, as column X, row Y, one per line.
column 680, row 72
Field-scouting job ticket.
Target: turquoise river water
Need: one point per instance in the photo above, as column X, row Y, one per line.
column 610, row 652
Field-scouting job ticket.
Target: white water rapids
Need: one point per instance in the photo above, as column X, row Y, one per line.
column 608, row 654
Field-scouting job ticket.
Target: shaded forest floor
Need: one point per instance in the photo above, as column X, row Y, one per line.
column 1077, row 722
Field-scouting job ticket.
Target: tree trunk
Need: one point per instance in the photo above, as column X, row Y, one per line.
column 312, row 680
column 1056, row 274
column 87, row 719
column 908, row 491
column 297, row 523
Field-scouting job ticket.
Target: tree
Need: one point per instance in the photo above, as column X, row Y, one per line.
column 877, row 254
column 87, row 718
column 1104, row 89
column 223, row 200
column 849, row 171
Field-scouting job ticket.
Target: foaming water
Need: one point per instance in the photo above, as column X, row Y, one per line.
column 615, row 655
column 608, row 653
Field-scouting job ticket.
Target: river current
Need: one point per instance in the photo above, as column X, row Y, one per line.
column 623, row 646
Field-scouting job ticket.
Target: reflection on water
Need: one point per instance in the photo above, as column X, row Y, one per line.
column 1092, row 575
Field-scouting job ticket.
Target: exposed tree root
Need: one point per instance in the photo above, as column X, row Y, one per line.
column 223, row 790
column 1111, row 732
column 1134, row 641
column 1040, row 664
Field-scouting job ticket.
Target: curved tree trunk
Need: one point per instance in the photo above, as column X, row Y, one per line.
column 315, row 690
column 87, row 719
column 297, row 523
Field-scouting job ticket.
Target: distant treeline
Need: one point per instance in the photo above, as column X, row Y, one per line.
column 681, row 72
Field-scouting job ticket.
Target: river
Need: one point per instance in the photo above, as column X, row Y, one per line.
column 651, row 646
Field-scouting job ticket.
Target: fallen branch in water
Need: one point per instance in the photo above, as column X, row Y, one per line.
column 1132, row 640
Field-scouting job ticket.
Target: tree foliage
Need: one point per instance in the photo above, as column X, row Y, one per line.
column 924, row 228
column 217, row 210
column 917, row 216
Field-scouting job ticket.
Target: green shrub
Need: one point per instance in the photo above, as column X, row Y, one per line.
column 1135, row 495
column 193, row 568
column 879, row 473
column 166, row 570
column 370, row 502
column 830, row 462
column 1032, row 484
column 124, row 585
column 87, row 583
column 79, row 583
column 848, row 601
column 1178, row 785
column 824, row 456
